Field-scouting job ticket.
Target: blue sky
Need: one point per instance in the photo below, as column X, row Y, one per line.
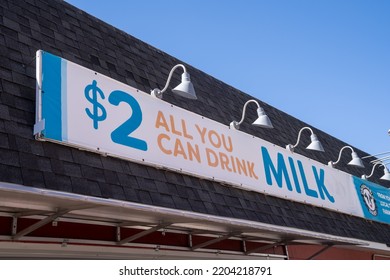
column 326, row 62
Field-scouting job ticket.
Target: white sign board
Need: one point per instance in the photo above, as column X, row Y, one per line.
column 82, row 108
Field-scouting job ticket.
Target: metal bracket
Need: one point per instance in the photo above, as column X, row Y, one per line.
column 213, row 241
column 320, row 251
column 142, row 233
column 39, row 224
column 265, row 247
column 39, row 127
column 14, row 225
column 190, row 240
column 54, row 223
column 244, row 245
column 118, row 233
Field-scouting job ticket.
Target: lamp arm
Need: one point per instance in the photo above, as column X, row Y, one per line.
column 380, row 159
column 299, row 135
column 373, row 168
column 170, row 76
column 384, row 153
column 244, row 110
column 341, row 151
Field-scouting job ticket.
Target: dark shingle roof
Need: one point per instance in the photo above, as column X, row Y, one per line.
column 59, row 28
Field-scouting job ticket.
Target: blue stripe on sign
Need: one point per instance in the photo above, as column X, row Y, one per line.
column 51, row 96
column 64, row 100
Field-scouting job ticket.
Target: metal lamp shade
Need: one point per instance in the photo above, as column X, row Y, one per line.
column 386, row 176
column 185, row 88
column 356, row 161
column 315, row 144
column 262, row 119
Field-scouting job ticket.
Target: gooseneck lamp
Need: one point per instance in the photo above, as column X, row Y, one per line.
column 262, row 119
column 386, row 175
column 314, row 145
column 184, row 89
column 356, row 160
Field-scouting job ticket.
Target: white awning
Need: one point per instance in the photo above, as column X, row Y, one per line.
column 47, row 206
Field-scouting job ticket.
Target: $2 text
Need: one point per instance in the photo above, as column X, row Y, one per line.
column 98, row 113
